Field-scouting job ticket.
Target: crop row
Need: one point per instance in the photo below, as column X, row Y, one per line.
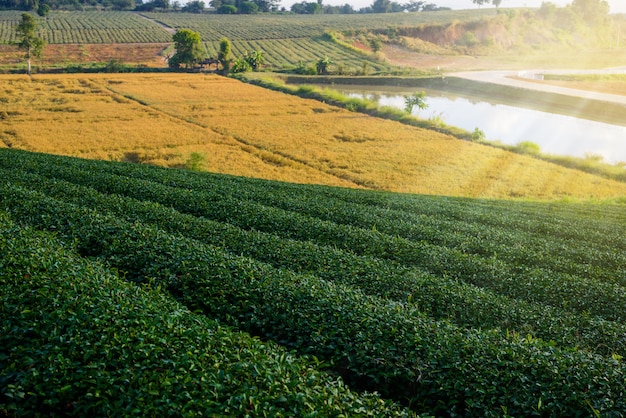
column 261, row 26
column 374, row 344
column 599, row 225
column 90, row 27
column 439, row 297
column 534, row 284
column 77, row 340
column 515, row 245
column 292, row 52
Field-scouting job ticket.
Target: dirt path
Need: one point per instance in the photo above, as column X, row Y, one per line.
column 156, row 22
column 523, row 79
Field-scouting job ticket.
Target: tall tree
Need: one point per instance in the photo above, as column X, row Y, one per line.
column 223, row 56
column 27, row 40
column 188, row 48
column 594, row 12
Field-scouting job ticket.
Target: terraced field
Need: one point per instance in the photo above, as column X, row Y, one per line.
column 88, row 28
column 450, row 306
column 287, row 40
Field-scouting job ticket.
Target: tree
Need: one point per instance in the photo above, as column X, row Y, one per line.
column 381, row 6
column 28, row 41
column 188, row 48
column 416, row 99
column 223, row 56
column 227, row 9
column 304, row 7
column 594, row 12
column 255, row 59
column 322, row 65
column 248, row 8
column 43, row 10
column 195, row 6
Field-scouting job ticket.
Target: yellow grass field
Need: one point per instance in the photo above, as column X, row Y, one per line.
column 165, row 119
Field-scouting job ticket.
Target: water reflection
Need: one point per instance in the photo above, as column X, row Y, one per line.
column 555, row 134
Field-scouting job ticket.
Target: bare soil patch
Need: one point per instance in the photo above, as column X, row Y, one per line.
column 54, row 54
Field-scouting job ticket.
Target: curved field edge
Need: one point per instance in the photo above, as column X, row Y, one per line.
column 230, row 127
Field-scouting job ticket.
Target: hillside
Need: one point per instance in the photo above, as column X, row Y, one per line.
column 221, row 125
column 449, row 40
column 449, row 305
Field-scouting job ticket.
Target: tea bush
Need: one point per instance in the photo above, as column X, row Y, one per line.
column 75, row 339
column 396, row 294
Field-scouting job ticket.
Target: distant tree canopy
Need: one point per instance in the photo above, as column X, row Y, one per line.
column 195, row 6
column 592, row 11
column 244, row 6
column 189, row 50
column 39, row 5
column 388, row 6
column 307, row 8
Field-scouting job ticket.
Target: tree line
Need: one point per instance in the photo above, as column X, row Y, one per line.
column 229, row 6
column 586, row 7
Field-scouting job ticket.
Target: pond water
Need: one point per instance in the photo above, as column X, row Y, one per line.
column 555, row 134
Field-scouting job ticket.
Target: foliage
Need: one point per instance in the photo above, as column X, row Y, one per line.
column 43, row 10
column 195, row 161
column 477, row 135
column 304, row 7
column 195, row 6
column 248, row 8
column 322, row 65
column 78, row 340
column 240, row 65
column 28, row 40
column 188, row 49
column 528, row 147
column 227, row 9
column 416, row 99
column 223, row 56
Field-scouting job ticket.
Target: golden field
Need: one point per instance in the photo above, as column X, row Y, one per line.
column 236, row 128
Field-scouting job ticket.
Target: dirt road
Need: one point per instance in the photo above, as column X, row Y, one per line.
column 531, row 80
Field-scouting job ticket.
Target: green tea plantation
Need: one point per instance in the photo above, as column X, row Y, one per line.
column 135, row 290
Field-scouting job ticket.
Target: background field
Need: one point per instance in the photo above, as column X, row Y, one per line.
column 226, row 126
column 286, row 40
column 448, row 40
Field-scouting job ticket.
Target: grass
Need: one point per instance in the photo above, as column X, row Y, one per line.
column 163, row 119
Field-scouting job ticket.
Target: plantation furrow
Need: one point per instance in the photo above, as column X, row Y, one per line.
column 536, row 285
column 77, row 340
column 438, row 297
column 520, row 249
column 433, row 366
column 551, row 221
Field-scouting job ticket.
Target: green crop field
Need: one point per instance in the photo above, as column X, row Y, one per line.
column 449, row 306
column 88, row 28
column 291, row 52
column 268, row 26
column 286, row 40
